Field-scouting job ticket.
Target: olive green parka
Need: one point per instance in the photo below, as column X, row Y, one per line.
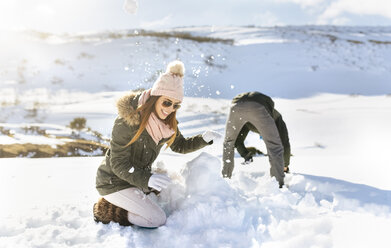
column 130, row 166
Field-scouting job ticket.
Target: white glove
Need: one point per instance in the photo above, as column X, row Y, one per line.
column 159, row 181
column 210, row 135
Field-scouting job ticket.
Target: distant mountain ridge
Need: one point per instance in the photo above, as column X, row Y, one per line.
column 287, row 62
column 228, row 35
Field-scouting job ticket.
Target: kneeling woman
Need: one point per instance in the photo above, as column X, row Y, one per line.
column 146, row 121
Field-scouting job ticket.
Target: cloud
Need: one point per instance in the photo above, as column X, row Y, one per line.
column 338, row 8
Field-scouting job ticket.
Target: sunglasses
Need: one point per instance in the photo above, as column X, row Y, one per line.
column 167, row 103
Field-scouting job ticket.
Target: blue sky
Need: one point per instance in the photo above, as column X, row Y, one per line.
column 94, row 15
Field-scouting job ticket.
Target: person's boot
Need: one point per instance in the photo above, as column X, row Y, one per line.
column 106, row 212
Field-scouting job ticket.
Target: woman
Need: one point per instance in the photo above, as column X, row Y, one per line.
column 146, row 121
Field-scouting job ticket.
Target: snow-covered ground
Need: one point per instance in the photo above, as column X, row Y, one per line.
column 334, row 98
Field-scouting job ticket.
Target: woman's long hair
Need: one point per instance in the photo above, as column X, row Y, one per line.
column 145, row 110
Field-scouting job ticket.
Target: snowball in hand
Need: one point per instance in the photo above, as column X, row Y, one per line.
column 130, row 6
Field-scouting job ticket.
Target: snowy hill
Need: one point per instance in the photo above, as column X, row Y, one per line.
column 287, row 62
column 332, row 86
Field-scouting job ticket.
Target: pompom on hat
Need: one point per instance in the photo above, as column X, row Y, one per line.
column 170, row 83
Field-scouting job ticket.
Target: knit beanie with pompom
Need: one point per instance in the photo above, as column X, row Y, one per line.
column 170, row 83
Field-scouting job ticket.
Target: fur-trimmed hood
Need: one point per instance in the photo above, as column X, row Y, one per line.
column 127, row 105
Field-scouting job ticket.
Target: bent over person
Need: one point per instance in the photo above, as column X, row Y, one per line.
column 254, row 111
column 146, row 121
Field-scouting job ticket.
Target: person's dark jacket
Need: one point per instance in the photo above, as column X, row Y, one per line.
column 268, row 103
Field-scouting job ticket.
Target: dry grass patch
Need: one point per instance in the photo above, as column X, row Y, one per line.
column 379, row 42
column 75, row 148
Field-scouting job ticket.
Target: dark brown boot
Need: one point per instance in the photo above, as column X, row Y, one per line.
column 106, row 212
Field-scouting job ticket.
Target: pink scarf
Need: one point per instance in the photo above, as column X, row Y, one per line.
column 155, row 127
